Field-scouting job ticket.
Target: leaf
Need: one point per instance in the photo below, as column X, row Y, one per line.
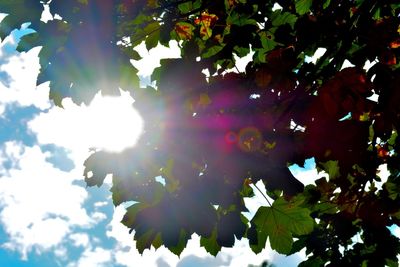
column 184, row 30
column 128, row 78
column 257, row 239
column 393, row 189
column 281, row 221
column 187, row 6
column 152, row 30
column 332, row 168
column 19, row 12
column 211, row 244
column 183, row 238
column 280, row 239
column 28, row 41
column 303, row 6
column 144, row 241
column 240, row 20
column 267, row 41
column 206, row 21
column 279, row 18
column 172, row 184
column 298, row 245
column 212, row 51
column 326, row 4
column 241, row 51
column 129, row 218
column 247, row 190
column 133, row 54
column 96, row 168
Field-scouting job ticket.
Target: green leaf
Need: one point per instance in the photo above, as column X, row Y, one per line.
column 96, row 168
column 171, row 183
column 279, row 18
column 241, row 51
column 152, row 30
column 247, row 191
column 183, row 238
column 257, row 239
column 133, row 54
column 282, row 220
column 212, row 51
column 298, row 245
column 313, row 262
column 280, row 239
column 157, row 242
column 129, row 218
column 185, row 7
column 144, row 241
column 19, row 12
column 267, row 41
column 240, row 19
column 392, row 263
column 128, row 78
column 303, row 6
column 393, row 189
column 326, row 4
column 28, row 41
column 331, row 167
column 211, row 244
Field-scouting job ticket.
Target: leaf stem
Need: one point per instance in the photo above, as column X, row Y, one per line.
column 265, row 197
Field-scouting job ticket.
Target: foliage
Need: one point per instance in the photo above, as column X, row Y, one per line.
column 211, row 137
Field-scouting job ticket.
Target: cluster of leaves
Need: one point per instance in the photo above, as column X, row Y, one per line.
column 210, row 139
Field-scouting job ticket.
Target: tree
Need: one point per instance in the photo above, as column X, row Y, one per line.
column 212, row 137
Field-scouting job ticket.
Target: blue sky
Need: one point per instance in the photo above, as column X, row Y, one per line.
column 47, row 215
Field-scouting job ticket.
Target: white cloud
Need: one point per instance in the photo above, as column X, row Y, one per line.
column 97, row 257
column 151, row 59
column 37, row 199
column 101, row 204
column 109, row 122
column 98, row 216
column 22, row 90
column 79, row 239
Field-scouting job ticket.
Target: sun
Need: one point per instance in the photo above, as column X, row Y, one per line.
column 114, row 124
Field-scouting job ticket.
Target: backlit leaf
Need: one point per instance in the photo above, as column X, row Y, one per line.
column 332, row 168
column 210, row 243
column 281, row 221
column 303, row 6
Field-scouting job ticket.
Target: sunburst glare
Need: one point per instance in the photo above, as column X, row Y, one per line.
column 110, row 123
column 114, row 123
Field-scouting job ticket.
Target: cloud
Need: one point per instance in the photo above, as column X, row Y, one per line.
column 151, row 59
column 37, row 199
column 22, row 70
column 109, row 123
column 96, row 257
column 79, row 239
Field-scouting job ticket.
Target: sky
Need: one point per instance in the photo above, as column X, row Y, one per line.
column 47, row 215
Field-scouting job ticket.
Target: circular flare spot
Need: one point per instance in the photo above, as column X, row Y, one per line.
column 231, row 138
column 250, row 139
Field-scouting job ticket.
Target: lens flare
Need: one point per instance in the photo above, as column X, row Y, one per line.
column 231, row 138
column 114, row 123
column 250, row 139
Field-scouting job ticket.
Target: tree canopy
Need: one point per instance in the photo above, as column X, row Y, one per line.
column 212, row 137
